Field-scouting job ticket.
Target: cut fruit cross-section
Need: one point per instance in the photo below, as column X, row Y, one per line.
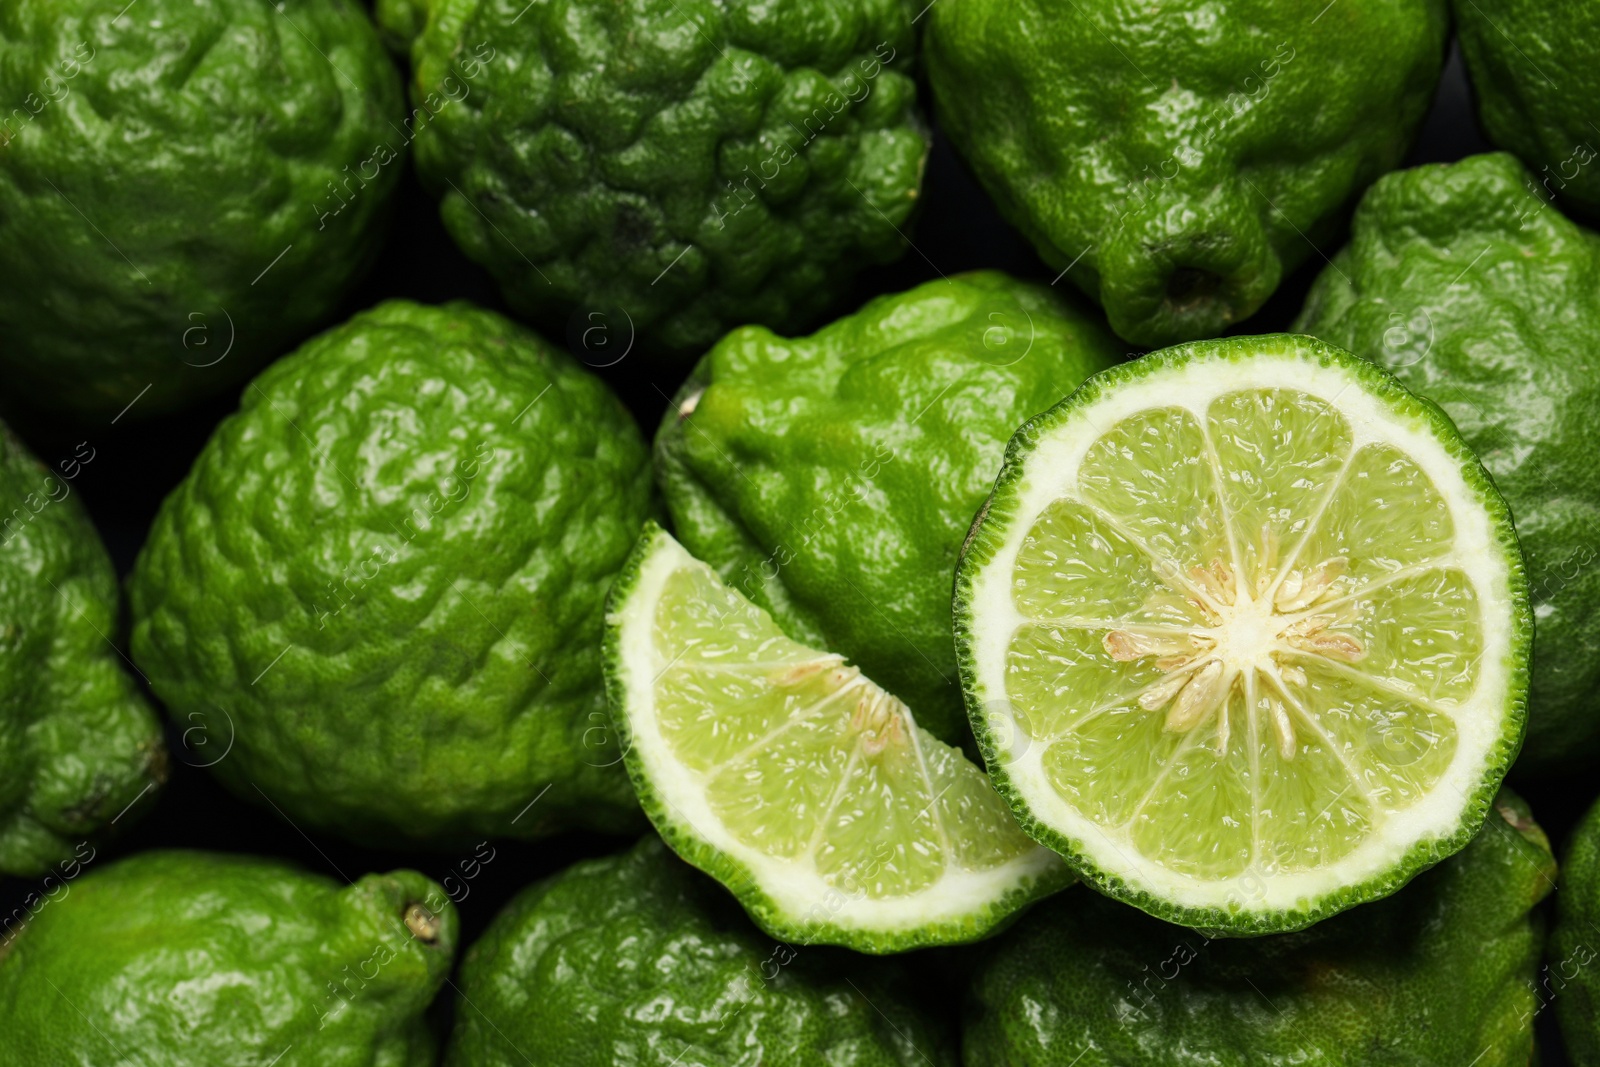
column 1244, row 633
column 791, row 778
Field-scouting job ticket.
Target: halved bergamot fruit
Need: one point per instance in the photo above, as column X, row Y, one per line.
column 791, row 778
column 1244, row 633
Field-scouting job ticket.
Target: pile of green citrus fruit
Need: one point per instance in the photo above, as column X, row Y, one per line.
column 569, row 532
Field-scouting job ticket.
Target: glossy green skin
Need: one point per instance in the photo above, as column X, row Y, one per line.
column 1535, row 69
column 1175, row 160
column 78, row 743
column 1570, row 980
column 421, row 512
column 177, row 150
column 832, row 478
column 194, row 959
column 638, row 958
column 1440, row 973
column 1481, row 296
column 654, row 172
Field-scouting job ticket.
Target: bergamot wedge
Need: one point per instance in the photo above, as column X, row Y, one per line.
column 793, row 779
column 1244, row 633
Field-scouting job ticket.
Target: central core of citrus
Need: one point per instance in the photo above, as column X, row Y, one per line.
column 1248, row 632
column 1254, row 631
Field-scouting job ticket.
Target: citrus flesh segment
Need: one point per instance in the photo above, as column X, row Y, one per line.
column 1244, row 633
column 789, row 776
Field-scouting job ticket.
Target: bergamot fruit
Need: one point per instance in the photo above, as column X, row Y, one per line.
column 193, row 959
column 1535, row 69
column 662, row 170
column 185, row 190
column 79, row 747
column 384, row 581
column 637, row 958
column 1175, row 162
column 832, row 478
column 1441, row 973
column 1477, row 293
column 1570, row 981
column 1244, row 633
column 791, row 777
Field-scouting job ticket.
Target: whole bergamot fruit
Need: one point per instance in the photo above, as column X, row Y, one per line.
column 832, row 478
column 656, row 171
column 185, row 190
column 194, row 959
column 78, row 744
column 638, row 958
column 1440, row 973
column 1478, row 294
column 384, row 582
column 1176, row 161
column 1570, row 980
column 1535, row 69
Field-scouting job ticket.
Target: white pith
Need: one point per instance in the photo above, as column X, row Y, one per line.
column 1246, row 635
column 795, row 886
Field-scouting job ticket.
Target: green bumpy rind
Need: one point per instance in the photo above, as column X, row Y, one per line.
column 1177, row 165
column 831, row 479
column 638, row 958
column 1000, row 510
column 1570, row 981
column 1441, row 973
column 1535, row 70
column 193, row 959
column 653, row 172
column 384, row 583
column 185, row 190
column 815, row 926
column 78, row 742
column 1474, row 291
